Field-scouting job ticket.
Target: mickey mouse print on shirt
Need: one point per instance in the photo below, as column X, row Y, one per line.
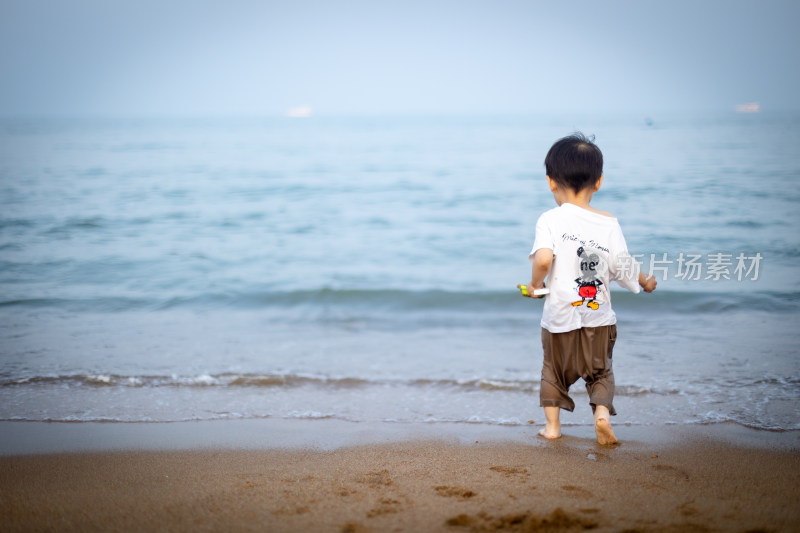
column 588, row 282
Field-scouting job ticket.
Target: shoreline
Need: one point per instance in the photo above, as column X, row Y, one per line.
column 390, row 478
column 36, row 437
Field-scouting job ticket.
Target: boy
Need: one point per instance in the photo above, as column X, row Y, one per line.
column 582, row 250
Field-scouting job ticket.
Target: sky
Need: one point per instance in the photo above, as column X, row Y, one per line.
column 240, row 57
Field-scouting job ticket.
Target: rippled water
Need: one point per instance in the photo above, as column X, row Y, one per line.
column 364, row 269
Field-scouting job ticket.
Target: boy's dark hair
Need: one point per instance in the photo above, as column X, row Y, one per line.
column 575, row 162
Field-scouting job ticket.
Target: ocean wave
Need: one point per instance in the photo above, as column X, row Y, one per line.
column 279, row 380
column 355, row 303
column 707, row 419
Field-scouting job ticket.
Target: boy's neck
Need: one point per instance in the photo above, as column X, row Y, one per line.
column 582, row 198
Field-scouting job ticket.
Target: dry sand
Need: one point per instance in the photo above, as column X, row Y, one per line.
column 698, row 483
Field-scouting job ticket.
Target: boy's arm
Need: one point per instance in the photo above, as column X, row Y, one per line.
column 542, row 261
column 647, row 283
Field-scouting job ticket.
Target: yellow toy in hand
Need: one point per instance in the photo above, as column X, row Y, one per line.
column 537, row 293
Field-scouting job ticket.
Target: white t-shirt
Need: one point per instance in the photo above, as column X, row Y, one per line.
column 589, row 252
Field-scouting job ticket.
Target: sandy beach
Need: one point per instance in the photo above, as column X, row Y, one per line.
column 704, row 479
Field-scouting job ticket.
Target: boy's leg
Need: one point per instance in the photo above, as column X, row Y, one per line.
column 602, row 426
column 599, row 376
column 552, row 429
column 558, row 373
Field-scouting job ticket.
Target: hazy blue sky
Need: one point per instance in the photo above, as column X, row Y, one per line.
column 340, row 57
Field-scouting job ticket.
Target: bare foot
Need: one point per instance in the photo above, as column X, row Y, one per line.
column 605, row 435
column 543, row 433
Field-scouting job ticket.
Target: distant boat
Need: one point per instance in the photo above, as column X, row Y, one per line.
column 302, row 111
column 751, row 107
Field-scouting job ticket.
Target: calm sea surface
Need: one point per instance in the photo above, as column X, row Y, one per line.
column 365, row 269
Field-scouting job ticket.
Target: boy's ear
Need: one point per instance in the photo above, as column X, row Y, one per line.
column 599, row 182
column 552, row 183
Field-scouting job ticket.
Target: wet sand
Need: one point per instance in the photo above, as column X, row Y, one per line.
column 682, row 479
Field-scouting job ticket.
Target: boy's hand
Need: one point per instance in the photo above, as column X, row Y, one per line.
column 648, row 284
column 527, row 290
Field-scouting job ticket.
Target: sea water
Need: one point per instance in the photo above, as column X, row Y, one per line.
column 364, row 269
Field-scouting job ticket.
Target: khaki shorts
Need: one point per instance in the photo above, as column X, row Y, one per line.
column 581, row 353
